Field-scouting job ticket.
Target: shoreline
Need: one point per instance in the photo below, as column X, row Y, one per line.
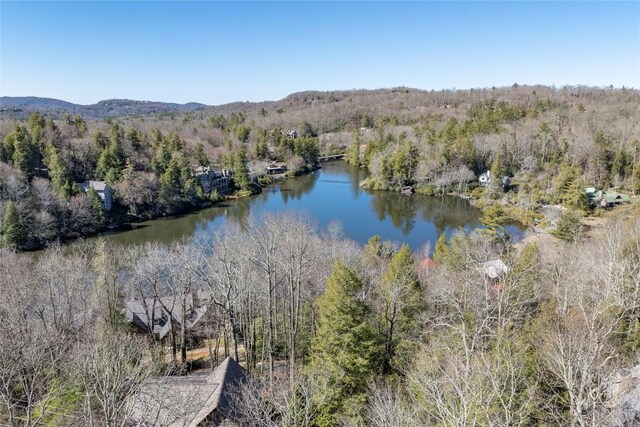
column 132, row 224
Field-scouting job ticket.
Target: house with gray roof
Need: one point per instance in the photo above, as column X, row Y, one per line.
column 195, row 400
column 159, row 314
column 102, row 189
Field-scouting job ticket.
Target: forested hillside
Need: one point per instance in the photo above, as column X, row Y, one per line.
column 552, row 143
column 22, row 107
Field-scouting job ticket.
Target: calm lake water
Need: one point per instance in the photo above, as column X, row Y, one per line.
column 331, row 194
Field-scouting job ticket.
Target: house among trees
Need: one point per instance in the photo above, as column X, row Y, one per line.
column 494, row 269
column 506, row 183
column 605, row 199
column 102, row 189
column 276, row 168
column 428, row 264
column 159, row 314
column 292, row 134
column 198, row 399
column 213, row 179
column 485, row 178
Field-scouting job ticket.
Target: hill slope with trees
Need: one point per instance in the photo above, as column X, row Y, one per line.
column 550, row 142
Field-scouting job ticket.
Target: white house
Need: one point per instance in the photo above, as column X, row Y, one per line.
column 102, row 189
column 485, row 178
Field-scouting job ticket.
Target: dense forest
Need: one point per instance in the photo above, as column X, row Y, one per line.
column 332, row 333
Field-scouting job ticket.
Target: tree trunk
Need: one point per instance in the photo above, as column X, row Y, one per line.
column 183, row 332
column 234, row 332
column 270, row 338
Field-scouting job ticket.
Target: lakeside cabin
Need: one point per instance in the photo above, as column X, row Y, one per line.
column 102, row 189
column 213, row 179
column 276, row 169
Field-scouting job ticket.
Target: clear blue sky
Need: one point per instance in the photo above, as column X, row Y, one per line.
column 215, row 53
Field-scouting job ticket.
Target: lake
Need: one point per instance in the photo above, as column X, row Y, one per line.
column 331, row 194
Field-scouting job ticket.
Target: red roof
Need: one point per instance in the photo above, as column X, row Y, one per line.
column 427, row 263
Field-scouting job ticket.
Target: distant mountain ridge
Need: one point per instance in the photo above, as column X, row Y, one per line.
column 20, row 106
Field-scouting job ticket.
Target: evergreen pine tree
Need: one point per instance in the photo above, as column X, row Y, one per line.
column 188, row 183
column 568, row 190
column 174, row 143
column 494, row 216
column 58, row 172
column 200, row 156
column 240, row 172
column 448, row 253
column 112, row 158
column 97, row 207
column 36, row 128
column 100, row 140
column 262, row 149
column 374, row 246
column 170, row 184
column 405, row 161
column 24, row 154
column 569, row 226
column 6, row 149
column 160, row 159
column 441, row 250
column 497, row 172
column 344, row 347
column 353, row 153
column 12, row 232
column 618, row 167
column 134, row 136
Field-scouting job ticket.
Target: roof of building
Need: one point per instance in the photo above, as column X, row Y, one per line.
column 609, row 196
column 427, row 263
column 141, row 310
column 613, row 197
column 276, row 166
column 99, row 186
column 211, row 169
column 186, row 401
column 494, row 268
column 590, row 190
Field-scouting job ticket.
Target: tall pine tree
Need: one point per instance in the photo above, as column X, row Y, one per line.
column 97, row 207
column 240, row 171
column 344, row 347
column 58, row 172
column 12, row 232
column 24, row 153
column 353, row 152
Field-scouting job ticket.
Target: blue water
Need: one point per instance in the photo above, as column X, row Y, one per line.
column 329, row 195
